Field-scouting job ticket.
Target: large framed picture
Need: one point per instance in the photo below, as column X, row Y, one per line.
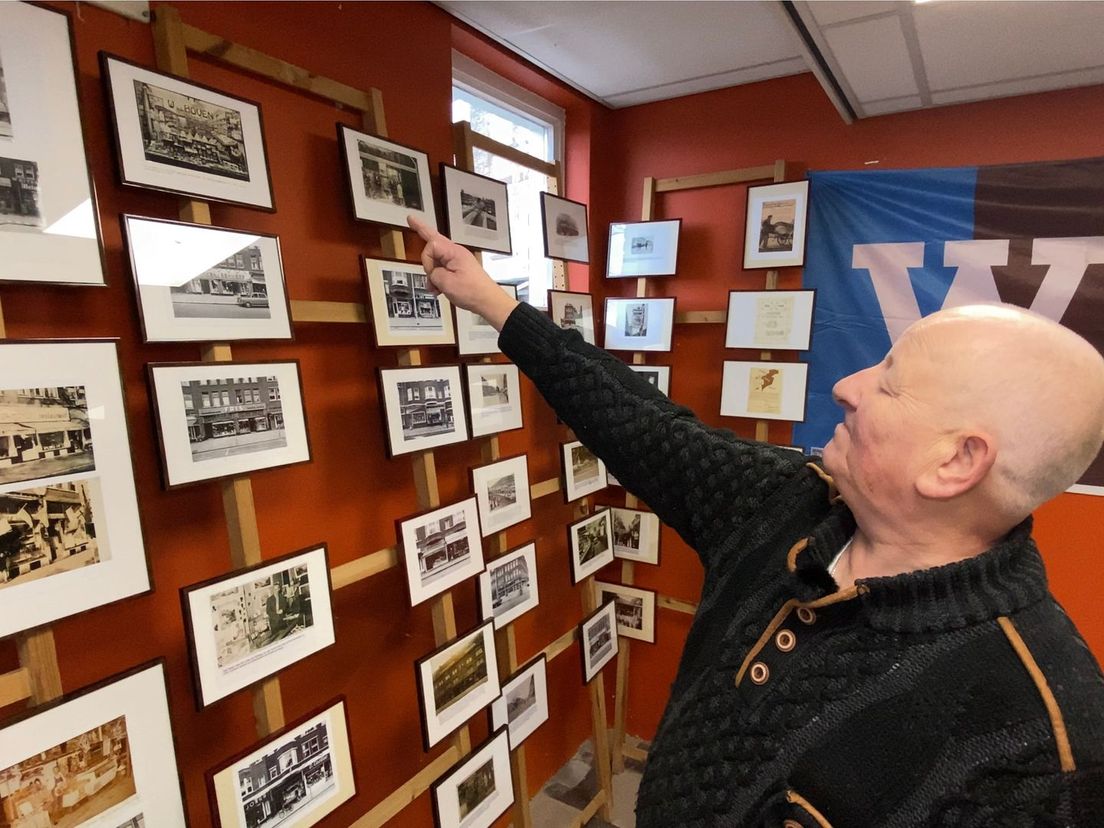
column 476, row 790
column 657, row 375
column 502, row 492
column 474, row 334
column 102, row 756
column 70, row 533
column 49, row 224
column 219, row 419
column 777, row 217
column 639, row 324
column 591, row 543
column 634, row 607
column 494, row 397
column 573, row 312
column 477, row 214
column 508, row 587
column 770, row 320
column 423, row 408
column 635, row 535
column 251, row 623
column 523, row 705
column 178, row 136
column 291, row 779
column 197, row 283
column 565, row 229
column 405, row 309
column 764, row 390
column 441, row 547
column 456, row 681
column 387, row 181
column 583, row 472
column 642, row 248
column 598, row 640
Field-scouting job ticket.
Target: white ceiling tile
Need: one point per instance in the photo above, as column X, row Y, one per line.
column 874, row 58
column 827, row 12
column 740, row 76
column 885, row 107
column 1021, row 86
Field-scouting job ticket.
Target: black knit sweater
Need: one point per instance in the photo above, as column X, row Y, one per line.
column 955, row 696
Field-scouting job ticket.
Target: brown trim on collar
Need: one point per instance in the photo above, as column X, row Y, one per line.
column 774, row 624
column 795, row 550
column 833, row 491
column 838, row 596
column 794, row 798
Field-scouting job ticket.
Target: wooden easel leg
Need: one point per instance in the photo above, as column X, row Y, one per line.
column 38, row 655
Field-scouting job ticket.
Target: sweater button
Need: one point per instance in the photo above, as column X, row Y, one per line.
column 806, row 615
column 759, row 673
column 785, row 640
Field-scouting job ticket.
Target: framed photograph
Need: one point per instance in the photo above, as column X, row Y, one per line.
column 573, row 312
column 565, row 229
column 583, row 472
column 657, row 375
column 770, row 320
column 219, row 419
column 291, row 779
column 502, row 492
column 474, row 334
column 508, row 587
column 764, row 390
column 774, row 235
column 456, row 681
column 598, row 640
column 476, row 211
column 478, row 789
column 494, row 396
column 442, row 547
column 198, row 283
column 634, row 608
column 523, row 705
column 178, row 136
column 49, row 224
column 102, row 756
column 635, row 535
column 423, row 407
column 639, row 324
column 245, row 626
column 642, row 248
column 387, row 181
column 591, row 543
column 70, row 533
column 404, row 308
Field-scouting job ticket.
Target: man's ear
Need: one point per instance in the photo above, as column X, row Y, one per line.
column 958, row 468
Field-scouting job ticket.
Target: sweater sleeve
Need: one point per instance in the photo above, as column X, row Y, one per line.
column 702, row 481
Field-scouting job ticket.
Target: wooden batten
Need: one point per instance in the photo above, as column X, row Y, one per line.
column 303, row 310
column 418, row 784
column 676, row 604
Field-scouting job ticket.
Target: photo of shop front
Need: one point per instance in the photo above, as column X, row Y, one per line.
column 228, row 417
column 46, row 530
column 287, row 779
column 44, row 432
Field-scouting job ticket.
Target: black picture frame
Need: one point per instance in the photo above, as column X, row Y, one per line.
column 811, row 327
column 490, row 742
column 427, row 212
column 582, row 628
column 797, row 233
column 659, row 535
column 577, row 578
column 457, row 232
column 646, row 272
column 545, row 198
column 444, row 305
column 593, row 338
column 459, row 402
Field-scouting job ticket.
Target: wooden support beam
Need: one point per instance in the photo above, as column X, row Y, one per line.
column 38, row 656
column 598, row 803
column 364, row 567
column 3, row 329
column 15, row 686
column 303, row 310
column 544, row 488
column 561, row 644
column 676, row 604
column 716, row 179
column 710, row 317
column 636, row 753
column 523, row 159
column 390, row 807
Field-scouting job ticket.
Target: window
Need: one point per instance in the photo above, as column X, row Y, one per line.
column 205, row 402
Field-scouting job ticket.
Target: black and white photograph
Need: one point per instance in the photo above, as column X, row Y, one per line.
column 387, row 181
column 5, row 109
column 639, row 324
column 502, row 492
column 441, row 548
column 573, row 312
column 636, row 320
column 774, row 234
column 634, row 607
column 456, row 681
column 635, row 535
column 475, row 336
column 405, row 309
column 389, row 176
column 423, row 407
column 477, row 213
column 598, row 640
column 642, row 248
column 508, row 587
column 583, row 472
column 478, row 789
column 565, row 229
column 19, row 196
column 494, row 396
column 764, row 390
column 523, row 705
column 591, row 543
column 233, row 416
column 44, row 432
column 658, row 375
column 770, row 320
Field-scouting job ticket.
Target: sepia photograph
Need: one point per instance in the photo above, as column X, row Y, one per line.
column 441, row 547
column 635, row 609
column 494, row 396
column 598, row 640
column 508, row 587
column 386, row 180
column 423, row 407
column 523, row 705
column 658, row 376
column 477, row 212
column 472, row 791
column 390, row 176
column 565, row 229
column 764, row 390
column 573, row 312
column 405, row 309
column 635, row 535
column 20, row 200
column 774, row 232
column 44, row 432
column 776, row 227
column 583, row 472
column 591, row 542
column 502, row 492
column 639, row 324
column 456, row 681
column 474, row 334
column 5, row 110
column 642, row 248
column 770, row 320
column 458, row 672
column 233, row 416
column 478, row 789
column 256, row 615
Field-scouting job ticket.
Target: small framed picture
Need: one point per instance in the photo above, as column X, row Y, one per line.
column 291, row 778
column 442, row 547
column 251, row 623
column 764, row 390
column 387, row 181
column 219, row 419
column 508, row 587
column 198, row 283
column 639, row 324
column 502, row 492
column 474, row 334
column 423, row 407
column 405, row 309
column 591, row 543
column 523, row 705
column 476, row 211
column 634, row 607
column 456, row 681
column 657, row 375
column 494, row 396
column 770, row 320
column 774, row 235
column 565, row 229
column 635, row 535
column 478, row 789
column 178, row 136
column 598, row 640
column 573, row 312
column 642, row 248
column 103, row 755
column 583, row 472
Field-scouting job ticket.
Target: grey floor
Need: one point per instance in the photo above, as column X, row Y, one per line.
column 567, row 793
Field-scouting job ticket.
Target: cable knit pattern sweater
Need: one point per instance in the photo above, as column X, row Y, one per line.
column 955, row 696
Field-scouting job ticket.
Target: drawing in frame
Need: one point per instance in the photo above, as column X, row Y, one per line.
column 591, row 543
column 764, row 390
column 442, row 547
column 635, row 535
column 178, row 136
column 565, row 229
column 634, row 608
column 423, row 408
column 105, row 751
column 584, row 472
column 642, row 248
column 477, row 213
column 494, row 397
column 598, row 640
column 478, row 789
column 72, row 534
column 291, row 779
column 770, row 320
column 198, row 283
column 221, row 419
column 474, row 334
column 502, row 492
column 406, row 311
column 573, row 311
column 644, row 324
column 508, row 586
column 658, row 375
column 456, row 681
column 523, row 705
column 249, row 624
column 777, row 218
column 387, row 181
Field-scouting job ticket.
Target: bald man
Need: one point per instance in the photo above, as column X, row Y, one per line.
column 875, row 644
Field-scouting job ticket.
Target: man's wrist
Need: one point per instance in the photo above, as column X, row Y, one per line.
column 498, row 309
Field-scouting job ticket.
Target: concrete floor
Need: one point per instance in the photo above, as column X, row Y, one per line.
column 567, row 793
